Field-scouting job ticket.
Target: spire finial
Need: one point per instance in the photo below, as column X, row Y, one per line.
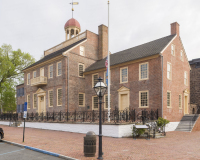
column 73, row 3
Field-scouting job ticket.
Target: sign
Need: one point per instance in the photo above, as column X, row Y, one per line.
column 25, row 110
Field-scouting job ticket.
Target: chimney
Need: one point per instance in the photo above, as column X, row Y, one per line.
column 103, row 42
column 175, row 28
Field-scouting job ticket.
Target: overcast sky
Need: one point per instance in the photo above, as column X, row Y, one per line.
column 37, row 25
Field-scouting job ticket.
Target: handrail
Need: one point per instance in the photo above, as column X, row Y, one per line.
column 66, row 43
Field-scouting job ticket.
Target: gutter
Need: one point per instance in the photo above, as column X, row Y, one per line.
column 67, row 82
column 162, row 83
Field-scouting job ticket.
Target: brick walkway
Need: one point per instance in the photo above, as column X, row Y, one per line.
column 177, row 145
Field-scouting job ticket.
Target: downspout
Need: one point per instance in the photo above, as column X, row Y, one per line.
column 67, row 82
column 162, row 84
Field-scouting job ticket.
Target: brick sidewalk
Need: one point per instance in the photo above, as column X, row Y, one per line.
column 177, row 145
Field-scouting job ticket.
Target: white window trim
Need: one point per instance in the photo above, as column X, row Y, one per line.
column 33, row 100
column 83, row 69
column 170, row 100
column 173, row 49
column 93, row 103
column 49, row 71
column 83, row 51
column 147, row 99
column 57, row 96
column 170, row 78
column 182, row 59
column 121, row 75
column 28, row 107
column 186, row 83
column 35, row 74
column 57, row 68
column 83, row 99
column 181, row 101
column 93, row 79
column 49, row 97
column 105, row 101
column 140, row 79
column 29, row 79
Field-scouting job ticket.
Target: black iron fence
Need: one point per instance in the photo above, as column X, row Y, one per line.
column 116, row 116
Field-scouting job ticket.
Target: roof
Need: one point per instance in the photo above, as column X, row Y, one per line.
column 55, row 54
column 72, row 22
column 194, row 61
column 141, row 51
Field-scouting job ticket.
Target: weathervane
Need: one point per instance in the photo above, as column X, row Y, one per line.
column 73, row 3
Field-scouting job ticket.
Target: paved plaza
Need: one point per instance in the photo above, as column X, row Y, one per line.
column 176, row 145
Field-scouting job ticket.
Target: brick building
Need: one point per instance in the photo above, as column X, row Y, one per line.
column 154, row 75
column 195, row 84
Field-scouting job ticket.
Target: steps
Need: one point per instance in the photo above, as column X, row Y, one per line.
column 187, row 123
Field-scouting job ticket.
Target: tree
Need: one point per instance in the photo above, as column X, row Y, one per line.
column 11, row 65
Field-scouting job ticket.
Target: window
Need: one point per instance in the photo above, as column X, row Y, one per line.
column 82, row 50
column 95, row 102
column 59, row 68
column 168, row 99
column 94, row 79
column 180, row 101
column 34, row 100
column 143, row 71
column 169, row 71
column 28, row 78
column 173, row 49
column 144, row 99
column 59, row 97
column 80, row 70
column 181, row 55
column 81, row 99
column 185, row 78
column 106, row 102
column 51, row 71
column 28, row 101
column 124, row 75
column 106, row 77
column 34, row 74
column 51, row 98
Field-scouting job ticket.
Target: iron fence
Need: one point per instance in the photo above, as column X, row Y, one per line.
column 116, row 116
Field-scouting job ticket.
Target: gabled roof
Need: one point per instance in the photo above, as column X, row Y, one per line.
column 194, row 61
column 141, row 51
column 55, row 54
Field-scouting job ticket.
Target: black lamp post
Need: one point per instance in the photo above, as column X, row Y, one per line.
column 100, row 89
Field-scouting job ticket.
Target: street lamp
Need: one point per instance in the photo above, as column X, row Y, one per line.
column 100, row 89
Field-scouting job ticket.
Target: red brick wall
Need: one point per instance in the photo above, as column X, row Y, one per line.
column 176, row 85
column 153, row 84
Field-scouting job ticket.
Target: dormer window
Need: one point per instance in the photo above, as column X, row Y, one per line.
column 82, row 50
column 173, row 50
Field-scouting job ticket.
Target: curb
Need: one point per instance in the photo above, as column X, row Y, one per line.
column 40, row 150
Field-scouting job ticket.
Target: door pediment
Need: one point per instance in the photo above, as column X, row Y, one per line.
column 122, row 89
column 186, row 91
column 40, row 91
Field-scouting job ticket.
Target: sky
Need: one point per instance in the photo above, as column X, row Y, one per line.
column 37, row 25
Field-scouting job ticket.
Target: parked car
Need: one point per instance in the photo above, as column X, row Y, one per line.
column 1, row 134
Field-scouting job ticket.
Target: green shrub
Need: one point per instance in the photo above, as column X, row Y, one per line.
column 162, row 121
column 138, row 132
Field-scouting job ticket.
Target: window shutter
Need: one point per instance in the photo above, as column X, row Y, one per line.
column 59, row 97
column 22, row 107
column 81, row 99
column 80, row 70
column 95, row 101
column 17, row 92
column 17, row 108
column 23, row 91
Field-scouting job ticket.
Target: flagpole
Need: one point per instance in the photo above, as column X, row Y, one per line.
column 108, row 71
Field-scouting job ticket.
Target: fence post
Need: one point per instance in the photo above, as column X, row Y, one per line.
column 42, row 116
column 93, row 116
column 60, row 115
column 83, row 116
column 53, row 115
column 67, row 115
column 47, row 116
column 75, row 116
column 103, row 116
column 126, row 116
column 157, row 113
column 134, row 115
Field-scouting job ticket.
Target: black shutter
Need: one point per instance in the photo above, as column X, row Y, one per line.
column 18, row 108
column 23, row 91
column 17, row 92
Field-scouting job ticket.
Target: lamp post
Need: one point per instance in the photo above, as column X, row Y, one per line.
column 100, row 89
